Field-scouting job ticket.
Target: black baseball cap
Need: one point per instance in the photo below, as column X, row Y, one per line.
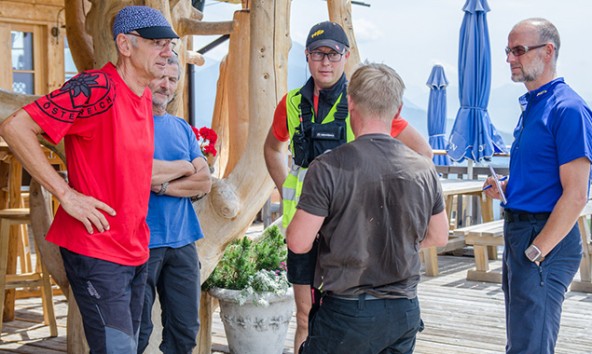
column 327, row 34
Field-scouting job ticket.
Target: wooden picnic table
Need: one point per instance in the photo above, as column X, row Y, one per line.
column 491, row 234
column 452, row 188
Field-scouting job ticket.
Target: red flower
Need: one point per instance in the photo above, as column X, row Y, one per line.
column 196, row 131
column 210, row 149
column 207, row 139
column 208, row 134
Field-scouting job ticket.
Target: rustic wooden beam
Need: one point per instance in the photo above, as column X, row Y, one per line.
column 80, row 42
column 188, row 26
column 340, row 11
column 236, row 81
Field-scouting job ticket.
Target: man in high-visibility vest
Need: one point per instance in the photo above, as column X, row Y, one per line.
column 315, row 119
column 372, row 204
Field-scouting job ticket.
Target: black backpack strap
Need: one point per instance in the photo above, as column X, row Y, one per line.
column 305, row 114
column 342, row 108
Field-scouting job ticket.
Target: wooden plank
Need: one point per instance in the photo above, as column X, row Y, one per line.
column 484, row 240
column 454, row 243
column 478, row 228
column 461, row 317
column 485, row 276
column 582, row 286
column 59, row 3
column 430, row 258
column 30, row 11
column 206, row 309
column 481, row 261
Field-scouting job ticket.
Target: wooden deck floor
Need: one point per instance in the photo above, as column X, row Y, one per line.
column 461, row 317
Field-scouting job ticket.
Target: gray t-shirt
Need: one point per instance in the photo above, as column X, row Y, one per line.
column 377, row 197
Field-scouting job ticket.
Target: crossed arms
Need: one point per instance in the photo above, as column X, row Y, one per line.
column 186, row 179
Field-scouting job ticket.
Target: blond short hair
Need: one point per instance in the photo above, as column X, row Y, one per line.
column 377, row 89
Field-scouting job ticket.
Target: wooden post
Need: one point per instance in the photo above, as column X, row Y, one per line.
column 42, row 215
column 236, row 89
column 14, row 201
column 282, row 45
column 220, row 121
column 76, row 341
column 206, row 312
column 80, row 42
column 340, row 11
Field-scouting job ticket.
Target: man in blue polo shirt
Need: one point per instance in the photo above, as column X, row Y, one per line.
column 546, row 191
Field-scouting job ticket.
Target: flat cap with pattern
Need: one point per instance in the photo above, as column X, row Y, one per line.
column 148, row 22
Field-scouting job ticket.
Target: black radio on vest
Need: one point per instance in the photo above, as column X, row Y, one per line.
column 313, row 139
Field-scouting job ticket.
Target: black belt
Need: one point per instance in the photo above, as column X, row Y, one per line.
column 516, row 215
column 363, row 296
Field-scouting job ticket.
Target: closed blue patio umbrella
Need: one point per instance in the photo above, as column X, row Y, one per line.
column 473, row 136
column 437, row 113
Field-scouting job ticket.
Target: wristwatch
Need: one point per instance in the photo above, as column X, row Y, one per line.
column 534, row 254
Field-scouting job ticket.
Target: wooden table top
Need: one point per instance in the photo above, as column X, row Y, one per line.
column 461, row 186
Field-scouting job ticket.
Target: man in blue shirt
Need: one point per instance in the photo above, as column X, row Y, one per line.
column 546, row 191
column 179, row 172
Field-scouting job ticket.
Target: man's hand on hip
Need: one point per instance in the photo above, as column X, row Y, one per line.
column 87, row 210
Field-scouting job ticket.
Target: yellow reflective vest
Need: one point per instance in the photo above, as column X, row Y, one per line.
column 292, row 187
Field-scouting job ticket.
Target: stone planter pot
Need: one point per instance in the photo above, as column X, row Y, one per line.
column 255, row 329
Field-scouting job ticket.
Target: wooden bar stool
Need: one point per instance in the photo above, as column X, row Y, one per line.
column 38, row 277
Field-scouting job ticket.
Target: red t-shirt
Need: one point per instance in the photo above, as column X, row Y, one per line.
column 280, row 121
column 109, row 138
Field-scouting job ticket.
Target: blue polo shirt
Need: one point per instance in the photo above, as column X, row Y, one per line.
column 172, row 220
column 555, row 128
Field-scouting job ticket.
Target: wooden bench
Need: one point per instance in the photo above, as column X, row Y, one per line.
column 429, row 256
column 585, row 282
column 492, row 234
column 485, row 238
column 456, row 189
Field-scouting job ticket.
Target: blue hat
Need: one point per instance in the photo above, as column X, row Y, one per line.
column 148, row 22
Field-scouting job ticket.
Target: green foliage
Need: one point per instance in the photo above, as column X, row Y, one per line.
column 243, row 259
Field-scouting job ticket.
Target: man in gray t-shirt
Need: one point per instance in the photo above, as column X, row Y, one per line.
column 373, row 203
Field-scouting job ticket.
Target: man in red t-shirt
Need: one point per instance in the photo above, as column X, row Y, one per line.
column 105, row 119
column 323, row 94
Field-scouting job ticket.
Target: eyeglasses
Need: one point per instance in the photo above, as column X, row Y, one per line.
column 160, row 44
column 319, row 56
column 520, row 50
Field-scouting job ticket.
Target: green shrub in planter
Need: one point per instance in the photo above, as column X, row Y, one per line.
column 255, row 267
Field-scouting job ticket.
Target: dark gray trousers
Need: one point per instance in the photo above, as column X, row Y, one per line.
column 174, row 274
column 110, row 298
column 363, row 326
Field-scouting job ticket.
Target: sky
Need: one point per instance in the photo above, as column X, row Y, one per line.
column 413, row 35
